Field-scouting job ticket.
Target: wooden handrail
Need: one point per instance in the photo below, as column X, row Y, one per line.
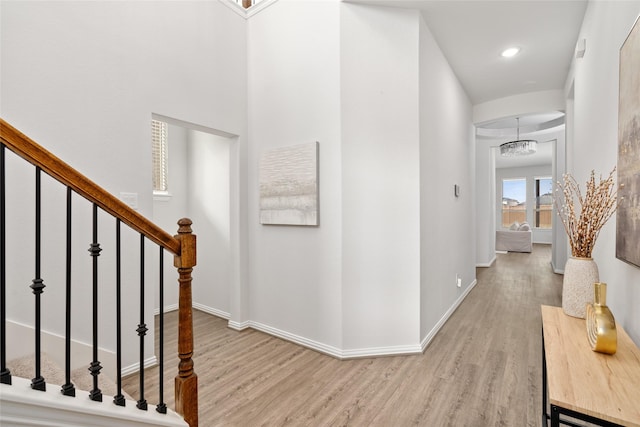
column 183, row 246
column 29, row 150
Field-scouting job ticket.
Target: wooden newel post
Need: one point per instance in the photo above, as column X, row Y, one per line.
column 186, row 384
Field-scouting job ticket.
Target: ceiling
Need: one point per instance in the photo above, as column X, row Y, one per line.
column 473, row 33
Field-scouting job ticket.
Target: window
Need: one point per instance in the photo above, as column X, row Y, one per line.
column 514, row 201
column 544, row 203
column 159, row 152
column 247, row 3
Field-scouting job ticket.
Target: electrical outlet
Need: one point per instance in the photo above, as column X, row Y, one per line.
column 458, row 281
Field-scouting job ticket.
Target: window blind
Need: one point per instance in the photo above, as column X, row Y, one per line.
column 159, row 152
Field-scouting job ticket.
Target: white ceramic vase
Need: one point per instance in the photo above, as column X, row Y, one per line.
column 577, row 286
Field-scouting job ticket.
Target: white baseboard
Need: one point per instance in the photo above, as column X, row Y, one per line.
column 297, row 339
column 148, row 363
column 556, row 270
column 211, row 310
column 54, row 346
column 488, row 264
column 432, row 333
column 325, row 348
column 337, row 352
column 381, row 351
column 361, row 352
column 167, row 309
column 239, row 326
column 197, row 306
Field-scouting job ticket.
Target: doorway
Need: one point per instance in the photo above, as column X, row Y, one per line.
column 199, row 173
column 536, row 170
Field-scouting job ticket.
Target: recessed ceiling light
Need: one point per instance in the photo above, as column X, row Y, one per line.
column 512, row 51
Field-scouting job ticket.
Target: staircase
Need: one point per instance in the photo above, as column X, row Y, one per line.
column 37, row 402
column 21, row 406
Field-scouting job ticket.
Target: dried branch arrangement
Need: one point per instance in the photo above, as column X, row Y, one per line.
column 595, row 208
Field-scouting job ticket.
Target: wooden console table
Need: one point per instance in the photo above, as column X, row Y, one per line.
column 585, row 385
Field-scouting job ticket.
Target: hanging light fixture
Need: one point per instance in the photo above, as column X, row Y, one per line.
column 519, row 147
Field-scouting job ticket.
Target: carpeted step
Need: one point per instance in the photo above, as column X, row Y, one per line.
column 54, row 375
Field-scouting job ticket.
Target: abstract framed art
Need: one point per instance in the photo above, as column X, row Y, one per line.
column 289, row 185
column 628, row 213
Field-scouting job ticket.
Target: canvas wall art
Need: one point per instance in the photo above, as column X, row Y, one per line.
column 628, row 214
column 289, row 185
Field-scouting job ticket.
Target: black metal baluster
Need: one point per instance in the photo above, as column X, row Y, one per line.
column 161, row 407
column 68, row 388
column 142, row 327
column 118, row 399
column 37, row 285
column 95, row 367
column 5, row 373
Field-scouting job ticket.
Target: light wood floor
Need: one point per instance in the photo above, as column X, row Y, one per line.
column 482, row 369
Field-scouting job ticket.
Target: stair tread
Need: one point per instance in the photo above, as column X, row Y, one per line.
column 53, row 374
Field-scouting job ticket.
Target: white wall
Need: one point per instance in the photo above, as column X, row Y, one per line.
column 369, row 84
column 199, row 188
column 558, row 168
column 83, row 79
column 381, row 172
column 594, row 144
column 485, row 203
column 447, row 158
column 208, row 177
column 294, row 97
column 363, row 81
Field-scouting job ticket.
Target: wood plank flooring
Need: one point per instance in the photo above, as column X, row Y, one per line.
column 482, row 369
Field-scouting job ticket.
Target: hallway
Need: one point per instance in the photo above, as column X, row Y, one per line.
column 482, row 369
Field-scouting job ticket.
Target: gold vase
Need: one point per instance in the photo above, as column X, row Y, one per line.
column 601, row 326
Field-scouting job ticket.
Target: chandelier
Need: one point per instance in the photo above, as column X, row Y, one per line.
column 519, row 147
